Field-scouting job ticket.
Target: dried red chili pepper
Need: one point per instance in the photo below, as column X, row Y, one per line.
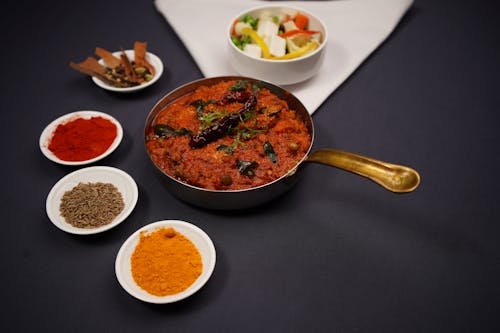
column 220, row 128
column 234, row 96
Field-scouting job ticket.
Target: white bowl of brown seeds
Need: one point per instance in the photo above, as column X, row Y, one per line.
column 91, row 200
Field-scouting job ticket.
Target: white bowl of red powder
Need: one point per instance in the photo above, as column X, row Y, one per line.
column 81, row 137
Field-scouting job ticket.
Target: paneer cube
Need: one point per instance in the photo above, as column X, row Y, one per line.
column 267, row 28
column 289, row 26
column 253, row 50
column 277, row 46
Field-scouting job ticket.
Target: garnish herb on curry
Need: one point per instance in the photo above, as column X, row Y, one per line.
column 229, row 136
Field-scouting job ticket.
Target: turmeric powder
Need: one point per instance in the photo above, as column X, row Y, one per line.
column 165, row 262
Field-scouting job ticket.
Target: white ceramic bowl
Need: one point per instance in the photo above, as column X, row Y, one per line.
column 199, row 238
column 123, row 182
column 46, row 136
column 150, row 57
column 280, row 72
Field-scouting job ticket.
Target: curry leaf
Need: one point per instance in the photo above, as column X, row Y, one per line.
column 240, row 85
column 163, row 130
column 269, row 151
column 200, row 105
column 225, row 149
column 247, row 168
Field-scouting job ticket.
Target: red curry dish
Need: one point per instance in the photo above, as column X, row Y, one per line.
column 233, row 135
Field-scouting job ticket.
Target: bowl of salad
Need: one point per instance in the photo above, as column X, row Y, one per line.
column 280, row 44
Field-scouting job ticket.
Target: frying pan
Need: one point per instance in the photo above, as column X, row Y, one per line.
column 396, row 178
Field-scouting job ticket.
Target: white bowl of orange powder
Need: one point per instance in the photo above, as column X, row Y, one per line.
column 165, row 261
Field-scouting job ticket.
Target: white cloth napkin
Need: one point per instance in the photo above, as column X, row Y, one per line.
column 356, row 28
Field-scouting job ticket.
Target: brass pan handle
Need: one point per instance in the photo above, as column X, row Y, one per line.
column 395, row 178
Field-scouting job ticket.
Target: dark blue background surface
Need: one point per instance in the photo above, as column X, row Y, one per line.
column 336, row 254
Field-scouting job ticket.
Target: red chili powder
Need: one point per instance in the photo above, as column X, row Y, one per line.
column 82, row 139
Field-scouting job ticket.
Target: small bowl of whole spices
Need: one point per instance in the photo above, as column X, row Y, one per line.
column 165, row 261
column 122, row 71
column 91, row 200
